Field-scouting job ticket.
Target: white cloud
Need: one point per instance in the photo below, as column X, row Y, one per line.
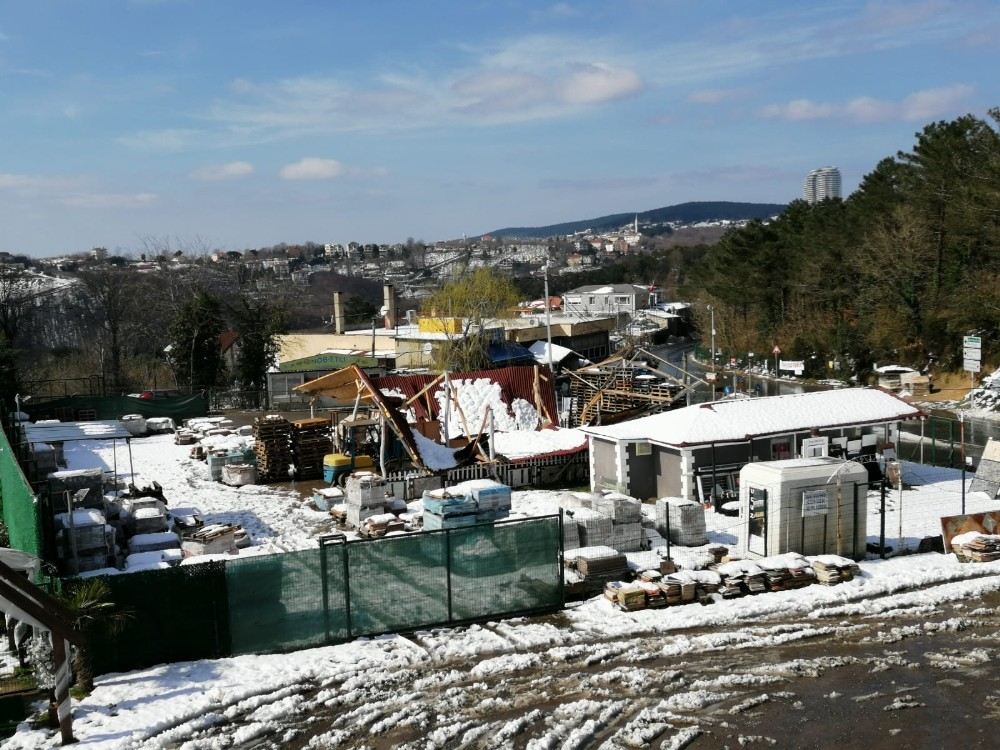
column 312, row 168
column 923, row 105
column 229, row 171
column 110, row 200
column 598, row 83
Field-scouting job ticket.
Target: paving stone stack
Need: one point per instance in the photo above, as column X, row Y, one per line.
column 686, row 521
column 976, row 547
column 626, row 518
column 365, row 497
column 273, row 447
column 594, row 528
column 598, row 565
column 787, row 572
column 310, row 443
column 833, row 569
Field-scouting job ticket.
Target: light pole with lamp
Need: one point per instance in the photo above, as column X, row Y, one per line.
column 711, row 310
column 749, row 373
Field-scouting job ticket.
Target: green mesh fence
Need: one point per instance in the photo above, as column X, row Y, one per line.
column 280, row 602
column 20, row 509
column 330, row 594
column 513, row 567
column 174, row 614
column 398, row 583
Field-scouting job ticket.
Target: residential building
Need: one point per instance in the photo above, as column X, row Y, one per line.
column 821, row 184
column 609, row 299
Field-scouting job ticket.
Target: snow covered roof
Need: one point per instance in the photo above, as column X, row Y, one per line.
column 739, row 420
column 62, row 432
column 893, row 369
column 610, row 289
column 540, row 350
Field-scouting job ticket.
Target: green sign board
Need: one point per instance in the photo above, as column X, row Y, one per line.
column 327, row 361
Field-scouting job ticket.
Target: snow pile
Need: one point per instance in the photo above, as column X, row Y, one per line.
column 475, row 398
column 987, row 398
column 434, row 455
column 524, row 444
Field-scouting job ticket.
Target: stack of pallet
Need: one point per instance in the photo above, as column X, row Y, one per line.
column 976, row 547
column 310, row 443
column 833, row 569
column 273, row 447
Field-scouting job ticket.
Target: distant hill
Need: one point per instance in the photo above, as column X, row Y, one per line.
column 685, row 213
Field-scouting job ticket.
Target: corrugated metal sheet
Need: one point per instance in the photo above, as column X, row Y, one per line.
column 64, row 432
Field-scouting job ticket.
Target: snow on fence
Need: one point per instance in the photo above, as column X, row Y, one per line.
column 338, row 591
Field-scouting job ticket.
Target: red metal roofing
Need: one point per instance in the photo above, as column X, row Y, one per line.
column 515, row 382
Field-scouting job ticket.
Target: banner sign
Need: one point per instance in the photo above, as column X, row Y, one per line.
column 792, row 365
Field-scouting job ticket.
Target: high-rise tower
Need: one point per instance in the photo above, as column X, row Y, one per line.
column 822, row 183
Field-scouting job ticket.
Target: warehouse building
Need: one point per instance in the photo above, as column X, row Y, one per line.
column 697, row 452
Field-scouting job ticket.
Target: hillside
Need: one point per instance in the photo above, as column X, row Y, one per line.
column 684, row 213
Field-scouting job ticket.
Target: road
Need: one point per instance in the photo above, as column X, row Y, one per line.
column 917, row 670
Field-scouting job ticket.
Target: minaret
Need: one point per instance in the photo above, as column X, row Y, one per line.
column 635, row 227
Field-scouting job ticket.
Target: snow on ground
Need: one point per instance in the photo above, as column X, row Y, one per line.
column 163, row 706
column 275, row 518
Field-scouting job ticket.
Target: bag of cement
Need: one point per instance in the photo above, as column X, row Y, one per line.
column 619, row 508
column 595, row 528
column 686, row 521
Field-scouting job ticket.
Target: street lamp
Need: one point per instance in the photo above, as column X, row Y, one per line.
column 711, row 310
column 749, row 371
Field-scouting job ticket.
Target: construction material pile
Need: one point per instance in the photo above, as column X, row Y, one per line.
column 310, row 443
column 377, row 526
column 975, row 546
column 366, row 497
column 786, row 572
column 273, row 447
column 833, row 569
column 84, row 540
column 598, row 565
column 683, row 520
column 609, row 520
column 466, row 504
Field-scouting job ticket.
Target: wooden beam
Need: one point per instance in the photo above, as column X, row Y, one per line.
column 422, row 391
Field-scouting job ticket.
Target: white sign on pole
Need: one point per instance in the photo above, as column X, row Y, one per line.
column 814, row 503
column 969, row 353
column 971, row 365
column 793, row 365
column 815, row 447
column 972, row 342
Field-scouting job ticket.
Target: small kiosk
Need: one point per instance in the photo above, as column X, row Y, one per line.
column 813, row 506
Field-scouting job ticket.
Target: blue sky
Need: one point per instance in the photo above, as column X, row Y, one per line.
column 241, row 124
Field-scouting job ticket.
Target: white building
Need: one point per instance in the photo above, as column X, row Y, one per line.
column 821, row 184
column 608, row 299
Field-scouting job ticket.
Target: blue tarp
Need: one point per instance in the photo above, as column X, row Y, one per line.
column 509, row 352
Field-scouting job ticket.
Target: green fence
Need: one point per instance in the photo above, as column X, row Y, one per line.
column 174, row 614
column 20, row 507
column 338, row 591
column 74, row 408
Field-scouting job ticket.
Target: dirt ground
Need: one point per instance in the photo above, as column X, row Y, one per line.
column 950, row 386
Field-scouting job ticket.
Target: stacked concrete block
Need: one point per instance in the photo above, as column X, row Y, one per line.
column 365, row 497
column 686, row 521
column 595, row 528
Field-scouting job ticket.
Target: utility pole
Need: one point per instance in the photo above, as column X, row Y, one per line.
column 548, row 321
column 961, row 440
column 711, row 309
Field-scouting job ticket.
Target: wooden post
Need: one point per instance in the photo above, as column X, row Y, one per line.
column 60, row 655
